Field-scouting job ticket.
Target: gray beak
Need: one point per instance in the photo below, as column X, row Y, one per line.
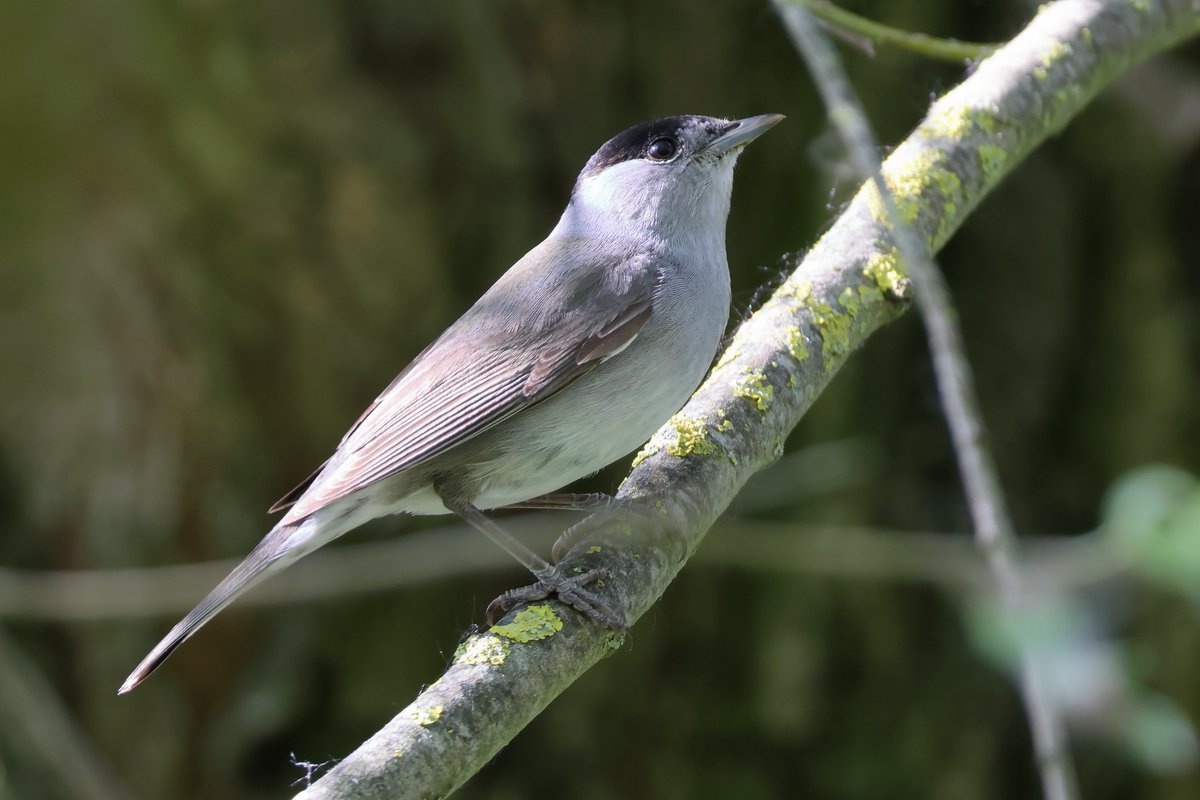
column 745, row 131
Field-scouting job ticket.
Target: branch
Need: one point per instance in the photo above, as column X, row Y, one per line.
column 869, row 32
column 817, row 550
column 992, row 522
column 777, row 364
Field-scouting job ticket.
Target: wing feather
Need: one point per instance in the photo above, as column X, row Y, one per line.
column 534, row 332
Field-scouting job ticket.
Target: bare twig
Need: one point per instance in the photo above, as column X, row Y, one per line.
column 831, row 551
column 872, row 32
column 985, row 498
column 779, row 361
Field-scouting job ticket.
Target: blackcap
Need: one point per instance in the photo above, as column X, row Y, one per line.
column 572, row 359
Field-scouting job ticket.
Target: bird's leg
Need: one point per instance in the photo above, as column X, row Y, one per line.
column 562, row 501
column 550, row 579
column 570, row 501
column 592, row 503
column 510, row 544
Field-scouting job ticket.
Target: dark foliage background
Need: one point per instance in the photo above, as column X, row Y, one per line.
column 225, row 226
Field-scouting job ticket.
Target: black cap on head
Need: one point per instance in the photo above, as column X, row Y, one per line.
column 635, row 142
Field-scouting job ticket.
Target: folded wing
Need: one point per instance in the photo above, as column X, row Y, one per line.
column 536, row 330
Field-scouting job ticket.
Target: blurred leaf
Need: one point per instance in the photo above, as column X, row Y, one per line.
column 1160, row 735
column 1038, row 626
column 1152, row 518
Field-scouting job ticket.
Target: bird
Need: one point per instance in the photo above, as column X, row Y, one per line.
column 573, row 358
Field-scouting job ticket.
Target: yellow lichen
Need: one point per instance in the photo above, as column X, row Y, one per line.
column 796, row 345
column 530, row 625
column 848, row 300
column 756, row 388
column 834, row 329
column 952, row 120
column 796, row 290
column 992, row 158
column 869, row 293
column 482, row 649
column 884, row 269
column 425, row 716
column 1056, row 52
column 650, row 449
column 729, row 355
column 910, row 177
column 691, row 437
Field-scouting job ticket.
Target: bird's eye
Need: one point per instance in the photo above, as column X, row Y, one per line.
column 662, row 149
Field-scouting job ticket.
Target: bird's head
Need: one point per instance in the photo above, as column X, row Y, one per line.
column 672, row 176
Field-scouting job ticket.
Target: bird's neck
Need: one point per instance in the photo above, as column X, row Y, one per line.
column 691, row 216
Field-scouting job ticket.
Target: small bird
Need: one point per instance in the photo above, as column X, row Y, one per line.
column 572, row 359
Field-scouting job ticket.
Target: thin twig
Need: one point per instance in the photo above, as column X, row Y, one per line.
column 877, row 33
column 985, row 498
column 833, row 551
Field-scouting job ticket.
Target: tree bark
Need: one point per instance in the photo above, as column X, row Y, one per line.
column 779, row 361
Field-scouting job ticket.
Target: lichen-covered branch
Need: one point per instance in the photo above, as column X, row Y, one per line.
column 779, row 361
column 994, row 530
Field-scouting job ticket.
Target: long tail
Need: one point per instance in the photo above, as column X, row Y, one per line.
column 279, row 548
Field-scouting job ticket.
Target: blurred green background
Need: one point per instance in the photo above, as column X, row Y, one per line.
column 225, row 226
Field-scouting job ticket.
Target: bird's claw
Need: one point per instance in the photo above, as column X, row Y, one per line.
column 569, row 590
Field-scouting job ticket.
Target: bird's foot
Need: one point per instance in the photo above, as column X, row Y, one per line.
column 569, row 589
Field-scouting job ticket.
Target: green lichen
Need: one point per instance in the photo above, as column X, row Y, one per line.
column 530, row 625
column 483, row 649
column 796, row 345
column 796, row 290
column 649, row 450
column 725, row 425
column 1141, row 6
column 904, row 195
column 426, row 716
column 1068, row 95
column 949, row 186
column 729, row 355
column 951, row 120
column 1056, row 52
column 992, row 158
column 594, row 549
column 691, row 437
column 848, row 300
column 911, row 179
column 1086, row 33
column 756, row 388
column 884, row 270
column 834, row 329
column 869, row 293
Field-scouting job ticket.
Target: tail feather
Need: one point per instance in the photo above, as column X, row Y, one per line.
column 277, row 550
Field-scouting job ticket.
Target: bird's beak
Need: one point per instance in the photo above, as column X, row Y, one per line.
column 743, row 132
